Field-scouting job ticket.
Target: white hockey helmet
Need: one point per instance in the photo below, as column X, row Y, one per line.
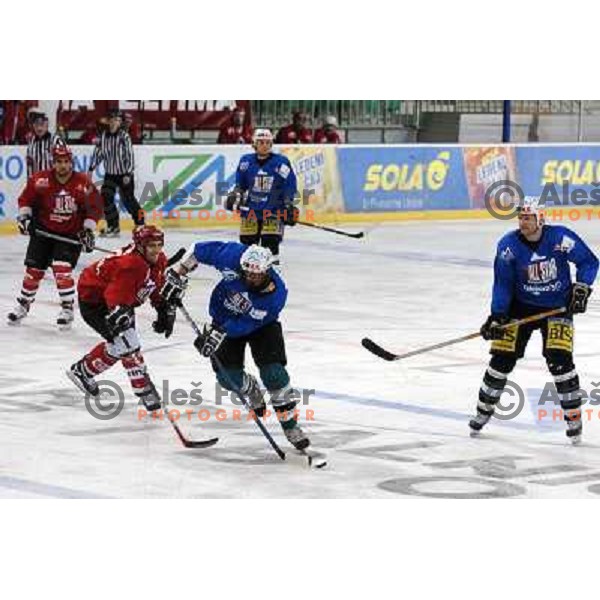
column 262, row 135
column 256, row 260
column 532, row 205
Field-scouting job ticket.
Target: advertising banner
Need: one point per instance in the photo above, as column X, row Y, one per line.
column 402, row 178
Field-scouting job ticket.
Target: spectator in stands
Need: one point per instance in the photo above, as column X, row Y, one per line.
column 235, row 131
column 2, row 140
column 93, row 132
column 296, row 133
column 14, row 125
column 133, row 129
column 328, row 134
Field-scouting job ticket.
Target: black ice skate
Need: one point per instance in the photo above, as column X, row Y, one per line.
column 477, row 422
column 110, row 232
column 296, row 437
column 78, row 374
column 150, row 399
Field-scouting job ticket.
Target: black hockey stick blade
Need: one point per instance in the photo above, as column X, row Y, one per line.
column 376, row 349
column 191, row 443
column 176, row 257
column 315, row 459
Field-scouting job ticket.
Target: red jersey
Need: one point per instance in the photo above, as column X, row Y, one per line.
column 290, row 135
column 230, row 134
column 62, row 208
column 322, row 136
column 125, row 278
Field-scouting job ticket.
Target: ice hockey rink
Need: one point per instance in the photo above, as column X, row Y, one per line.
column 390, row 430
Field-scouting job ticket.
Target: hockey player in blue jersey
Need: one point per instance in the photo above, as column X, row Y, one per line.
column 264, row 193
column 244, row 307
column 531, row 276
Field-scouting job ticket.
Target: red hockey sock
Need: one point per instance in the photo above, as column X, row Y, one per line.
column 63, row 275
column 98, row 360
column 31, row 283
column 136, row 370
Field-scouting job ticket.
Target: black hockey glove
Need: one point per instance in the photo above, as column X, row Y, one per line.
column 119, row 320
column 292, row 214
column 25, row 224
column 490, row 330
column 209, row 340
column 173, row 289
column 580, row 292
column 234, row 200
column 165, row 318
column 87, row 240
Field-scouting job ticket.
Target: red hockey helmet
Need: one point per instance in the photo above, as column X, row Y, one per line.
column 144, row 234
column 61, row 150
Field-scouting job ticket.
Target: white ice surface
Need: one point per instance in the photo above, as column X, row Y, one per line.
column 391, row 430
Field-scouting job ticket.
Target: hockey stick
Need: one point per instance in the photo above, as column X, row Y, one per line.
column 60, row 238
column 235, row 388
column 170, row 261
column 176, row 257
column 187, row 443
column 376, row 349
column 356, row 236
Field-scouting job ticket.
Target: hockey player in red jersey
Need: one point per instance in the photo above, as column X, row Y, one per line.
column 57, row 201
column 108, row 292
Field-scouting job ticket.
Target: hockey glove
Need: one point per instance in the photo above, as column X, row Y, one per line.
column 25, row 224
column 580, row 292
column 209, row 340
column 165, row 318
column 173, row 290
column 233, row 200
column 292, row 214
column 87, row 240
column 119, row 320
column 490, row 330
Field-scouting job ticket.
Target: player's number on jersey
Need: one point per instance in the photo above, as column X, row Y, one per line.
column 64, row 204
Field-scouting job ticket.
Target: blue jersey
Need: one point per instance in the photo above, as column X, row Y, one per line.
column 538, row 273
column 270, row 184
column 235, row 308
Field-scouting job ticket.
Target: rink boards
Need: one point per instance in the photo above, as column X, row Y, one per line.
column 184, row 186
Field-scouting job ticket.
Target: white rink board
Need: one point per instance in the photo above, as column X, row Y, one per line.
column 391, row 430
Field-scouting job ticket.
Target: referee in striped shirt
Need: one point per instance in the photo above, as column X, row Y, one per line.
column 39, row 148
column 115, row 149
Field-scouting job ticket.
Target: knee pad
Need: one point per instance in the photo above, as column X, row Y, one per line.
column 503, row 363
column 274, row 376
column 124, row 344
column 227, row 377
column 248, row 240
column 566, row 380
column 271, row 242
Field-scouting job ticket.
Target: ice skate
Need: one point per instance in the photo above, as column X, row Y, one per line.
column 19, row 312
column 65, row 316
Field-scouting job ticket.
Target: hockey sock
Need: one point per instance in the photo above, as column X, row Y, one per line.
column 31, row 284
column 136, row 371
column 63, row 275
column 98, row 360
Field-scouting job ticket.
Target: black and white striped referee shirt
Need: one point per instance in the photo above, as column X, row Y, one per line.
column 116, row 151
column 39, row 153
